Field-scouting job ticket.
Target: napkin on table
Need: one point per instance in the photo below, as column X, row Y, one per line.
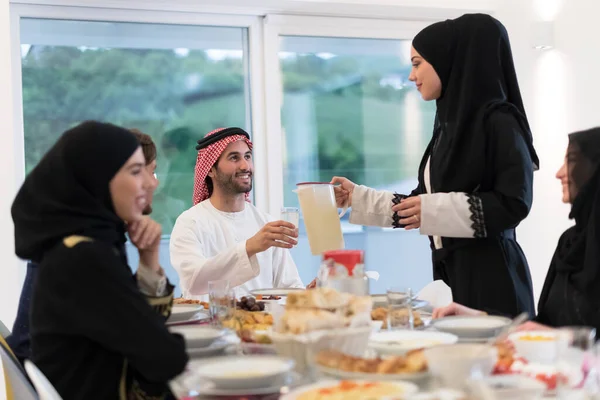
column 437, row 293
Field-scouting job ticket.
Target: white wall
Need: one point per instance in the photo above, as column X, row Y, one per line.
column 559, row 87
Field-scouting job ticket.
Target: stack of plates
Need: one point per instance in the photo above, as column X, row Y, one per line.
column 187, row 313
column 204, row 341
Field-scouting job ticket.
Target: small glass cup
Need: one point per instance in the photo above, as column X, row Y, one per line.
column 221, row 301
column 400, row 313
column 291, row 215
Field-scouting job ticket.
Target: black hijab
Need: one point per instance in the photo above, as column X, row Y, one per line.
column 67, row 193
column 473, row 59
column 579, row 252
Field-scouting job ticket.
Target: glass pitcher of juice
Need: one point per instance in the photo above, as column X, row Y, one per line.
column 321, row 218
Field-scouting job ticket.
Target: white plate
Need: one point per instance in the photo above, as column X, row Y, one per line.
column 198, row 317
column 364, row 376
column 197, row 336
column 406, row 389
column 275, row 292
column 401, row 342
column 217, row 348
column 292, row 379
column 243, row 372
column 184, row 312
column 471, row 327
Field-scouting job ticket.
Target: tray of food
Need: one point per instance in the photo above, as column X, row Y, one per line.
column 410, row 367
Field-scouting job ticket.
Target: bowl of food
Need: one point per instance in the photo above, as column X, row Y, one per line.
column 472, row 327
column 454, row 363
column 401, row 342
column 243, row 372
column 536, row 346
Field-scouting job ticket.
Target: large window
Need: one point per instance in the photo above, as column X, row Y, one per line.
column 349, row 110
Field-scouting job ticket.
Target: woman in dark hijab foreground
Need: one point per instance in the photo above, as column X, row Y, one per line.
column 570, row 296
column 19, row 339
column 476, row 177
column 97, row 332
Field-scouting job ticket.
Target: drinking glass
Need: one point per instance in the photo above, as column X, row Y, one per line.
column 221, row 301
column 400, row 313
column 291, row 215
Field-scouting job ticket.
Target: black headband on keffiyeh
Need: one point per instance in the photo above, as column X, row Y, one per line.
column 219, row 135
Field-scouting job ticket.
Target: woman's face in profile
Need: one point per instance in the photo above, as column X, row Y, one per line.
column 574, row 172
column 424, row 76
column 129, row 188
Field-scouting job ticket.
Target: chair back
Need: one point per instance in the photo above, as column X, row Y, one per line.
column 17, row 385
column 43, row 386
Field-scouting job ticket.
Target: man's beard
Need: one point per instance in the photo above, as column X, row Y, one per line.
column 227, row 183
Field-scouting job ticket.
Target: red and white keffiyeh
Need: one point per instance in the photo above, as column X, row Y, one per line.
column 207, row 157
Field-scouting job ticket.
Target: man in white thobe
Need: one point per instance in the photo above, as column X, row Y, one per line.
column 223, row 236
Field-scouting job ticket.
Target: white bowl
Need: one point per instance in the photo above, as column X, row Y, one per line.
column 478, row 327
column 454, row 363
column 183, row 312
column 401, row 342
column 243, row 372
column 303, row 348
column 542, row 351
column 198, row 336
column 516, row 387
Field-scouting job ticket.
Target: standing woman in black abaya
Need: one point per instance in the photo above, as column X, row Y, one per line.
column 476, row 176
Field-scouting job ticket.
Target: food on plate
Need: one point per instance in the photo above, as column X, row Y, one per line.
column 250, row 304
column 381, row 314
column 251, row 336
column 536, row 338
column 324, row 309
column 509, row 363
column 242, row 320
column 414, row 361
column 302, row 321
column 181, row 300
column 349, row 390
column 506, row 357
column 262, row 297
column 321, row 298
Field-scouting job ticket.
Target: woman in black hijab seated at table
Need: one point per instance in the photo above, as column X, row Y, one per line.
column 97, row 332
column 571, row 293
column 476, row 177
